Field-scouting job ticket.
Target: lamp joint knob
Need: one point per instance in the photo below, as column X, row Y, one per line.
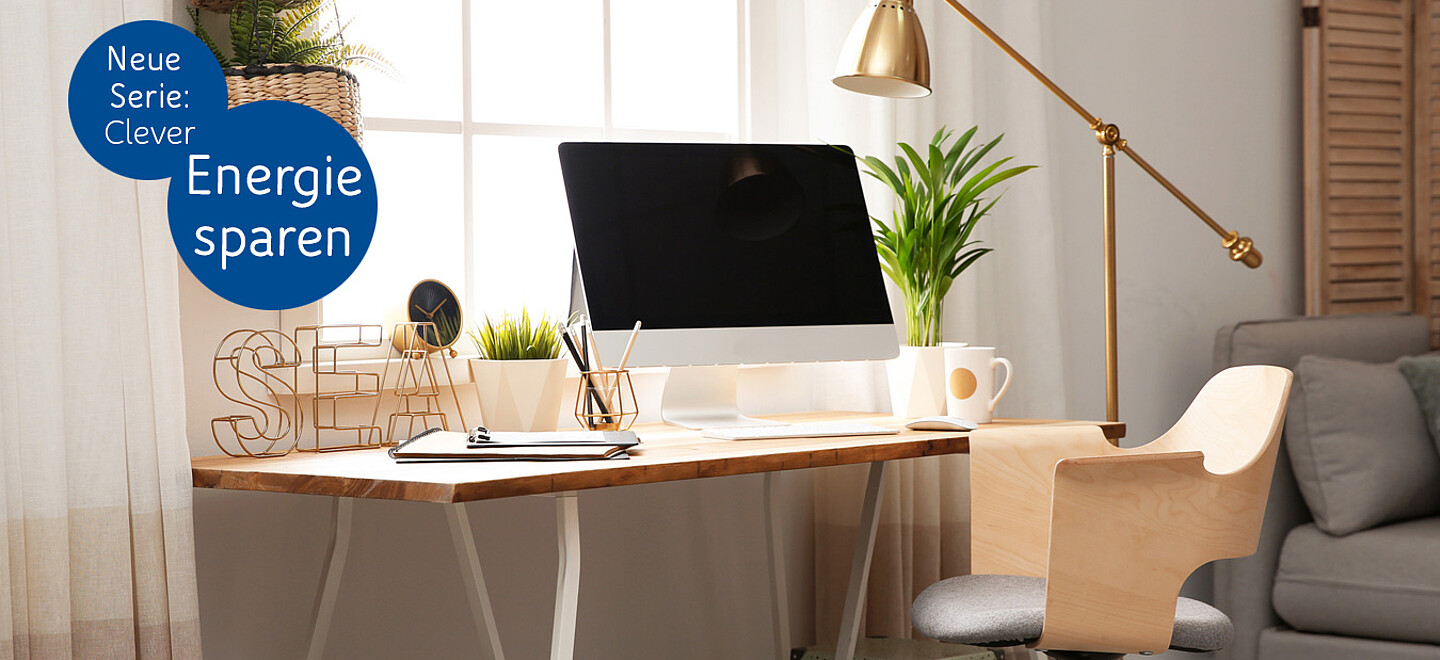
column 1242, row 249
column 1108, row 134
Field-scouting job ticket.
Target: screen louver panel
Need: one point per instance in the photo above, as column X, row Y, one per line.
column 1360, row 157
column 1427, row 163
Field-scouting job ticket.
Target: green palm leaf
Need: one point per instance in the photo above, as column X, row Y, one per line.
column 309, row 33
column 926, row 245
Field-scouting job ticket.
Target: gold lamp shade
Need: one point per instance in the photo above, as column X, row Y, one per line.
column 885, row 54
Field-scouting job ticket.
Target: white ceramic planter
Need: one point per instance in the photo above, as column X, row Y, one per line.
column 917, row 381
column 519, row 395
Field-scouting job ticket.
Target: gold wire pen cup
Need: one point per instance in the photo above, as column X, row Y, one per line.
column 606, row 400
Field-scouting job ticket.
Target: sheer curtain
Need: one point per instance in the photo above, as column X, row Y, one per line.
column 94, row 467
column 1010, row 299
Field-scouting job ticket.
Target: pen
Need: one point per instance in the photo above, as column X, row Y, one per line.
column 588, row 327
column 584, row 345
column 580, row 362
column 589, row 378
column 574, row 352
column 629, row 345
column 597, row 366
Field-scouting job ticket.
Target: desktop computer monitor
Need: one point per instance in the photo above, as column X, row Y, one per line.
column 728, row 254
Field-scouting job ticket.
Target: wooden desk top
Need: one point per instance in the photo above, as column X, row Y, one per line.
column 666, row 453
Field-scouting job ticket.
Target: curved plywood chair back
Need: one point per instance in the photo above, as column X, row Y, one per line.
column 1128, row 528
column 1235, row 420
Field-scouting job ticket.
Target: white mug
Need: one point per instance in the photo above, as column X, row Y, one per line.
column 970, row 382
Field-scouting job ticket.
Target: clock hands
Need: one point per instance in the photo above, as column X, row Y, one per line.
column 431, row 314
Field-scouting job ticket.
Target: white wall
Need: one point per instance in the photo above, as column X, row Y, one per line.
column 1209, row 94
column 1207, row 91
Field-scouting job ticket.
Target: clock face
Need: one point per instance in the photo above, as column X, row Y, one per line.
column 432, row 301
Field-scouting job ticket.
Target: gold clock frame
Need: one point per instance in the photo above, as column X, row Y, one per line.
column 403, row 344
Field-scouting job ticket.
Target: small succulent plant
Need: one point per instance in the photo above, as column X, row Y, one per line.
column 517, row 337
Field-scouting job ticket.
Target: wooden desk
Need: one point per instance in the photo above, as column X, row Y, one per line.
column 667, row 453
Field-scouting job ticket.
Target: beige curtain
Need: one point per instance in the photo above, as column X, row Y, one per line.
column 924, row 537
column 1011, row 299
column 93, row 458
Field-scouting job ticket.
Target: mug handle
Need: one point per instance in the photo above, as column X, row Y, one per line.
column 1009, row 372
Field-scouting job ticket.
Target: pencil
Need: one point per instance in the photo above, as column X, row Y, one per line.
column 629, row 345
column 594, row 347
column 605, row 385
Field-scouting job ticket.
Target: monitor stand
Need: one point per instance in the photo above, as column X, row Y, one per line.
column 705, row 398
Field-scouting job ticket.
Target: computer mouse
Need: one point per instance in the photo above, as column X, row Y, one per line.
column 942, row 423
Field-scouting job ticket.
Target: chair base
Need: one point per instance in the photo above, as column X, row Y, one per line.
column 1082, row 655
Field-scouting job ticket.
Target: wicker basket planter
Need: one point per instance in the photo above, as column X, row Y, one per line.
column 332, row 91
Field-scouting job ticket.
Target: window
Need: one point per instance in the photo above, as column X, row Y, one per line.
column 463, row 145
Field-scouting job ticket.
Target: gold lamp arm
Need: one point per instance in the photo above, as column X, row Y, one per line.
column 1242, row 249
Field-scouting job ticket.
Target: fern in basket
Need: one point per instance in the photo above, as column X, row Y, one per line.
column 309, row 33
column 517, row 337
column 928, row 244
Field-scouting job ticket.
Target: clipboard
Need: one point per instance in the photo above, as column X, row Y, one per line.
column 482, row 437
column 437, row 446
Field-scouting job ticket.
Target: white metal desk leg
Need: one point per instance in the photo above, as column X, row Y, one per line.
column 342, row 510
column 860, row 564
column 474, row 580
column 779, row 596
column 567, row 587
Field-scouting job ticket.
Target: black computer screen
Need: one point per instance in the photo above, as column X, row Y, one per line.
column 722, row 235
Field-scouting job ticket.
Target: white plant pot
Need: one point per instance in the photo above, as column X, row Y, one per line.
column 917, row 381
column 519, row 395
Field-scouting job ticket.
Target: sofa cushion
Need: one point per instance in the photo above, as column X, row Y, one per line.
column 1282, row 342
column 1423, row 373
column 1381, row 583
column 1359, row 447
column 1286, row 644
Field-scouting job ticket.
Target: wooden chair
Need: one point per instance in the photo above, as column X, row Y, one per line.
column 1080, row 548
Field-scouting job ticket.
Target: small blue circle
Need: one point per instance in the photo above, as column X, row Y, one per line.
column 275, row 211
column 142, row 94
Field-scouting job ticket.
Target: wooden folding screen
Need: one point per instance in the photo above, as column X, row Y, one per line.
column 1372, row 169
column 1427, row 163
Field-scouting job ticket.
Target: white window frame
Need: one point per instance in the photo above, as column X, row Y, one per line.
column 467, row 128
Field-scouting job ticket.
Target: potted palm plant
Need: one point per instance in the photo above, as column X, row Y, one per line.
column 927, row 244
column 290, row 50
column 519, row 376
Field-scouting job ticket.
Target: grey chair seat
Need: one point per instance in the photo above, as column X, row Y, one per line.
column 1009, row 610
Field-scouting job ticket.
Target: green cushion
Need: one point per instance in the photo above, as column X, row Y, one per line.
column 1359, row 446
column 1423, row 373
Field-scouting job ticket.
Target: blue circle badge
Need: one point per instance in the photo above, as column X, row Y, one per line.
column 279, row 222
column 140, row 96
column 272, row 204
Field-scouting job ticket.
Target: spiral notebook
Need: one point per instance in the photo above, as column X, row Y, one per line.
column 435, row 445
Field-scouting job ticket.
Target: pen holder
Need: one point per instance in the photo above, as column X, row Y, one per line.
column 606, row 401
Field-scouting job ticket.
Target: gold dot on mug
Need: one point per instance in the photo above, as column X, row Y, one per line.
column 962, row 383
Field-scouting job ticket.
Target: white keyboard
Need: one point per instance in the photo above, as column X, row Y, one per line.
column 802, row 430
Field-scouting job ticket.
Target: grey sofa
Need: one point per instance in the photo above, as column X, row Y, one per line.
column 1372, row 584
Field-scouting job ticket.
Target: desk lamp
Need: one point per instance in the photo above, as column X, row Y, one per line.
column 886, row 55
